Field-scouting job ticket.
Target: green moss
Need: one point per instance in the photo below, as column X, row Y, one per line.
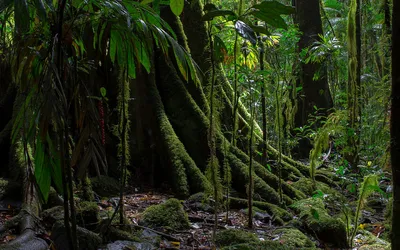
column 240, row 178
column 279, row 213
column 332, row 231
column 293, row 238
column 305, row 185
column 234, row 236
column 115, row 234
column 182, row 168
column 105, row 186
column 168, row 214
column 87, row 214
column 267, row 245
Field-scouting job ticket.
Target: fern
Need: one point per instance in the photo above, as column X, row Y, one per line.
column 368, row 187
column 332, row 126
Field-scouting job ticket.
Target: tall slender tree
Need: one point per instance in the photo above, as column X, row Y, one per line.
column 312, row 76
column 395, row 125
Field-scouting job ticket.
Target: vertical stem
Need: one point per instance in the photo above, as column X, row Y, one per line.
column 214, row 165
column 63, row 135
column 250, row 192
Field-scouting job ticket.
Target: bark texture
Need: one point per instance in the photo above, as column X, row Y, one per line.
column 395, row 126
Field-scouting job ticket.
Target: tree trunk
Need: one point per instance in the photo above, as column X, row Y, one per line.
column 315, row 90
column 395, row 125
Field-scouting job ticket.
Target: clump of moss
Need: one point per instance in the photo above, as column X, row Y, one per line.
column 293, row 238
column 332, row 231
column 270, row 245
column 305, row 185
column 168, row 214
column 87, row 214
column 105, row 186
column 234, row 236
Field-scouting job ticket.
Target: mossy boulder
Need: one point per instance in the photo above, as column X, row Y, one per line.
column 315, row 218
column 115, row 234
column 293, row 238
column 52, row 215
column 306, row 186
column 168, row 214
column 87, row 215
column 234, row 236
column 369, row 241
column 265, row 245
column 87, row 239
column 279, row 214
column 105, row 186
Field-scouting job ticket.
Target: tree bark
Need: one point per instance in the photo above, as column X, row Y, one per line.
column 395, row 125
column 315, row 92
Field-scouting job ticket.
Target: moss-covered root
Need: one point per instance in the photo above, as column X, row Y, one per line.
column 240, row 178
column 235, row 236
column 315, row 218
column 279, row 214
column 269, row 177
column 168, row 214
column 181, row 164
column 293, row 238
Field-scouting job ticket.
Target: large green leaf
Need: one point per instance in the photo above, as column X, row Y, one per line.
column 42, row 170
column 220, row 49
column 271, row 19
column 55, row 162
column 274, row 8
column 21, row 16
column 215, row 13
column 246, row 32
column 177, row 6
column 270, row 12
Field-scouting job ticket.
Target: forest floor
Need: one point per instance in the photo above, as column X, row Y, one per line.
column 201, row 218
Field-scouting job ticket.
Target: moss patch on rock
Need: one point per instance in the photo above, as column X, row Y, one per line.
column 168, row 214
column 331, row 231
column 270, row 245
column 105, row 186
column 234, row 236
column 87, row 215
column 294, row 238
column 305, row 185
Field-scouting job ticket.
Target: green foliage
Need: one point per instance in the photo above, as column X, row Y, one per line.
column 177, row 6
column 234, row 236
column 332, row 127
column 168, row 214
column 368, row 187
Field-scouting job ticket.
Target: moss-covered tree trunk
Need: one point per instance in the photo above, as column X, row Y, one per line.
column 312, row 76
column 176, row 113
column 395, row 126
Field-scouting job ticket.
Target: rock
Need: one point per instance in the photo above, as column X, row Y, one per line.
column 87, row 239
column 293, row 238
column 265, row 245
column 315, row 218
column 234, row 236
column 52, row 215
column 105, row 186
column 168, row 214
column 118, row 245
column 87, row 215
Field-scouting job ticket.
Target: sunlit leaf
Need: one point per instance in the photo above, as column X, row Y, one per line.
column 246, row 32
column 177, row 6
column 216, row 13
